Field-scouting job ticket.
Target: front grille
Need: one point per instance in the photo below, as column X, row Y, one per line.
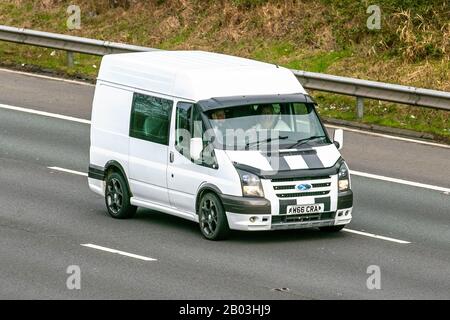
column 292, row 186
column 300, row 179
column 302, row 194
column 284, row 187
column 321, row 185
column 283, row 218
column 287, row 193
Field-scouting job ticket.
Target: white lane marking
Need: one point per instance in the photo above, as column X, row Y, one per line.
column 78, row 173
column 400, row 181
column 434, row 144
column 371, row 235
column 45, row 114
column 47, row 77
column 122, row 253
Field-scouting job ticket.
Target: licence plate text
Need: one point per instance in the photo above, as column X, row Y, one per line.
column 305, row 209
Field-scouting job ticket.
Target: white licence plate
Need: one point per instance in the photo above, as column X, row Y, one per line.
column 305, row 209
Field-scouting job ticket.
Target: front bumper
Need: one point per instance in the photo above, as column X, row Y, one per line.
column 254, row 214
column 239, row 221
column 245, row 205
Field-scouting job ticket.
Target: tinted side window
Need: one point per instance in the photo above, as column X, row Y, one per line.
column 150, row 118
column 198, row 127
column 183, row 128
column 208, row 157
column 189, row 124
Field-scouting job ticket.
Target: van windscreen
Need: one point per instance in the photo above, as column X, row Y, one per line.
column 284, row 124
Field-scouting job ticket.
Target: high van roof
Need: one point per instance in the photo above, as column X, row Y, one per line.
column 197, row 75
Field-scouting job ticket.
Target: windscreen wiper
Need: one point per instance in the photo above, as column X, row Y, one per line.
column 302, row 141
column 249, row 144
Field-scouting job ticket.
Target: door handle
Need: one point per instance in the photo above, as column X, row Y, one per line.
column 171, row 156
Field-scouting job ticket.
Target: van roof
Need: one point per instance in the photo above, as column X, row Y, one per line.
column 197, row 75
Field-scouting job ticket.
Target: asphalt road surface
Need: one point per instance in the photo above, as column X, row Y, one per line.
column 46, row 215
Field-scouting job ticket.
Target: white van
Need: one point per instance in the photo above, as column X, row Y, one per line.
column 226, row 142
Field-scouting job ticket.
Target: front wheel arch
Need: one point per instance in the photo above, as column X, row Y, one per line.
column 114, row 166
column 207, row 187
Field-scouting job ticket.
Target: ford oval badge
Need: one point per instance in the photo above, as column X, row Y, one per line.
column 303, row 187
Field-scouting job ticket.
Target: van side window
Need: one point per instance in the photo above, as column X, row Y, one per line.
column 150, row 118
column 189, row 124
column 208, row 158
column 198, row 125
column 183, row 128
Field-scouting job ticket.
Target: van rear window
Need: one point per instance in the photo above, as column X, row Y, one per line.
column 150, row 118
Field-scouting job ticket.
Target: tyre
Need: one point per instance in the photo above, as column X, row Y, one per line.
column 117, row 197
column 332, row 228
column 212, row 218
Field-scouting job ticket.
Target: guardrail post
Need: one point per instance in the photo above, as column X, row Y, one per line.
column 70, row 60
column 359, row 107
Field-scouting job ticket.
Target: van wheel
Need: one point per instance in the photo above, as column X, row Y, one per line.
column 212, row 218
column 117, row 197
column 332, row 228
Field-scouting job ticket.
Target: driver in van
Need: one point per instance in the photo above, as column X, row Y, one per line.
column 218, row 117
column 270, row 120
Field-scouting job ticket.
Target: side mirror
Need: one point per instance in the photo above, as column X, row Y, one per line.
column 338, row 139
column 196, row 147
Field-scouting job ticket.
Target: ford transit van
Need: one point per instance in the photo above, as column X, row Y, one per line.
column 226, row 142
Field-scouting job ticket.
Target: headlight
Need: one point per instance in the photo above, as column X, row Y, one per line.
column 251, row 184
column 343, row 178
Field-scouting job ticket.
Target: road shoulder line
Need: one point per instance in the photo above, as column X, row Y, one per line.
column 400, row 181
column 122, row 253
column 375, row 236
column 45, row 114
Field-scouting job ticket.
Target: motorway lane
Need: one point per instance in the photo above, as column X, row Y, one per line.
column 57, row 213
column 46, row 215
column 397, row 159
column 49, row 95
column 367, row 153
column 408, row 213
column 43, row 140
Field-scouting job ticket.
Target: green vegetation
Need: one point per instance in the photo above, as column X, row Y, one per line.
column 330, row 36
